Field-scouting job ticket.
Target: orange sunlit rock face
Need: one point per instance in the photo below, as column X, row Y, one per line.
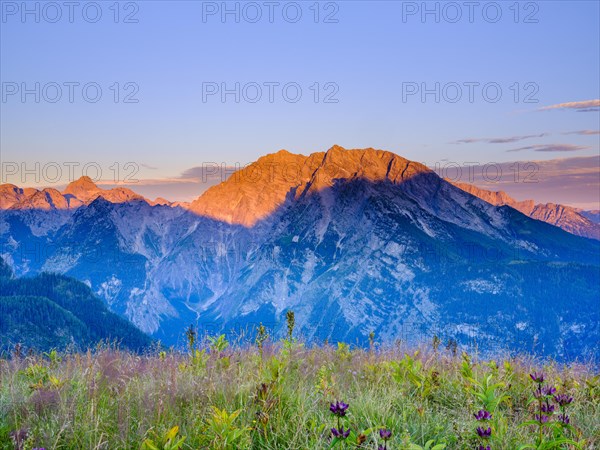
column 253, row 193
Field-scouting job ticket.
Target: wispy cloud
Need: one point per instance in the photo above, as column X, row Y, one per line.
column 582, row 106
column 584, row 132
column 551, row 148
column 571, row 181
column 499, row 140
column 209, row 172
column 185, row 187
column 148, row 166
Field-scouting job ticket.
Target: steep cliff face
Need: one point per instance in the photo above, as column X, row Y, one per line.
column 569, row 219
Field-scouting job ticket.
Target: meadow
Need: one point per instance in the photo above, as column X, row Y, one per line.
column 288, row 395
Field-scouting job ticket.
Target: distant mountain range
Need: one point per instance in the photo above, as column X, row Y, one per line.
column 83, row 191
column 53, row 311
column 573, row 220
column 353, row 241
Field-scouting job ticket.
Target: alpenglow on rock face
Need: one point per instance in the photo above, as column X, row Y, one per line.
column 256, row 191
column 76, row 194
column 352, row 241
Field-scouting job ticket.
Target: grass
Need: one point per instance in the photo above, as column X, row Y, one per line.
column 277, row 396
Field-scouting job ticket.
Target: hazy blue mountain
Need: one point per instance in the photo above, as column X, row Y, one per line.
column 353, row 241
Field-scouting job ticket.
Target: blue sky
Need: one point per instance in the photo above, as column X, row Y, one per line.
column 367, row 57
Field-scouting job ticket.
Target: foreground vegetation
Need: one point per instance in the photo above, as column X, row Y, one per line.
column 285, row 395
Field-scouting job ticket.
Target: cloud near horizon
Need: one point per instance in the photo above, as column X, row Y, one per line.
column 581, row 106
column 500, row 140
column 584, row 132
column 573, row 181
column 184, row 188
column 551, row 148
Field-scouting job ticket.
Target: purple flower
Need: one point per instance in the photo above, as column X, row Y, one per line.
column 385, row 434
column 547, row 408
column 482, row 414
column 484, row 433
column 541, row 419
column 537, row 377
column 563, row 418
column 548, row 390
column 338, row 408
column 544, row 391
column 563, row 399
column 481, row 447
column 341, row 433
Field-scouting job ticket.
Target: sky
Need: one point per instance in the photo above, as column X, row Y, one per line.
column 148, row 94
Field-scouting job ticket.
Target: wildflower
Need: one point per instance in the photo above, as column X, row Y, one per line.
column 341, row 433
column 481, row 447
column 548, row 409
column 544, row 391
column 537, row 377
column 482, row 414
column 563, row 399
column 338, row 408
column 564, row 419
column 484, row 433
column 385, row 434
column 541, row 418
column 548, row 390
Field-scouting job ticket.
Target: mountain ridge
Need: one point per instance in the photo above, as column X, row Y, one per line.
column 352, row 241
column 77, row 193
column 568, row 218
column 253, row 192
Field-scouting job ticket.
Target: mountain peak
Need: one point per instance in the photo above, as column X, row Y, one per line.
column 84, row 183
column 257, row 190
column 336, row 148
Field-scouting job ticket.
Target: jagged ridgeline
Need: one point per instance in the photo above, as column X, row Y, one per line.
column 53, row 311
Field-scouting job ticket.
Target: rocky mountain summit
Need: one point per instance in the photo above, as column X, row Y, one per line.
column 256, row 191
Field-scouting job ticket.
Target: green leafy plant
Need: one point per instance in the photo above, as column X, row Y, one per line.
column 222, row 433
column 343, row 351
column 291, row 323
column 429, row 445
column 261, row 337
column 218, row 344
column 168, row 441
